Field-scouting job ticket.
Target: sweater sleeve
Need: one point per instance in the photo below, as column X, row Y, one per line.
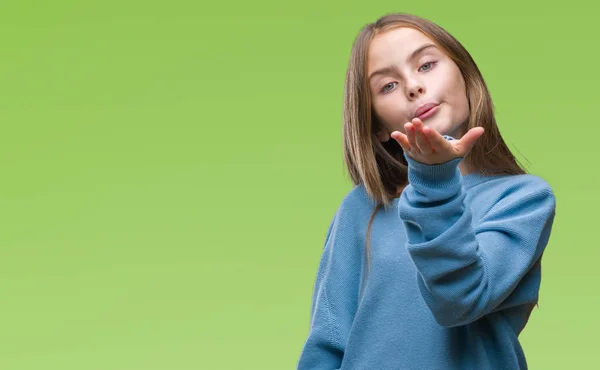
column 334, row 298
column 467, row 270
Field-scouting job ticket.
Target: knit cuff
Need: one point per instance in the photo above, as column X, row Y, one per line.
column 444, row 177
column 433, row 174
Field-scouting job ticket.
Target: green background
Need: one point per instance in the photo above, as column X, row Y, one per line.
column 169, row 170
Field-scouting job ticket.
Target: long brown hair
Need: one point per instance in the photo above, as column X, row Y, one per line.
column 381, row 167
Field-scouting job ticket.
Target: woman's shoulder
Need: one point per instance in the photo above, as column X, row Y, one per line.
column 358, row 198
column 515, row 190
column 356, row 205
column 513, row 183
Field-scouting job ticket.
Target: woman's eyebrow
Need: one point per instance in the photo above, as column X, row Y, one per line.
column 393, row 69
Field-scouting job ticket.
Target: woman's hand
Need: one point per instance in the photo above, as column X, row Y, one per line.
column 428, row 146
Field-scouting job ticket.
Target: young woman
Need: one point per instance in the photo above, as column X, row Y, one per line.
column 432, row 260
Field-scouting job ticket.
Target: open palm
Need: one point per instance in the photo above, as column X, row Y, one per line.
column 428, row 146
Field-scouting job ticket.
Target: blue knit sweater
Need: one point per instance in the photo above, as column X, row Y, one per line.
column 453, row 276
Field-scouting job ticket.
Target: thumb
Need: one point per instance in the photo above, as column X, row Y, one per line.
column 469, row 139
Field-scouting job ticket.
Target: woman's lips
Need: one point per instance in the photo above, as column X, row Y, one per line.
column 428, row 113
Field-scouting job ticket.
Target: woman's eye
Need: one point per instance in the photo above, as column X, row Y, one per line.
column 386, row 89
column 427, row 66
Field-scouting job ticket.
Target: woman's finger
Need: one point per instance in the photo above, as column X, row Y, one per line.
column 468, row 140
column 422, row 140
column 402, row 140
column 436, row 140
column 410, row 134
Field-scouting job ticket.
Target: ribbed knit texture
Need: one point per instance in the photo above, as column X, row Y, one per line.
column 452, row 281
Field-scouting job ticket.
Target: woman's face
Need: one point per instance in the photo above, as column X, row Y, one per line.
column 409, row 77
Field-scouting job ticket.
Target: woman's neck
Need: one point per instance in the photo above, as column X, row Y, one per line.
column 464, row 168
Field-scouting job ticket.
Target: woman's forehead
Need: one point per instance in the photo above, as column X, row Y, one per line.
column 398, row 45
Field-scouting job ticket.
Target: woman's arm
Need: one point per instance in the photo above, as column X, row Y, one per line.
column 467, row 271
